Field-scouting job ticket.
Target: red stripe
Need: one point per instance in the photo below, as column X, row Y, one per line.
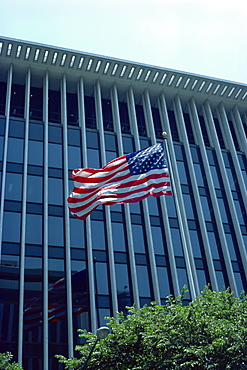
column 119, row 195
column 108, row 174
column 118, row 186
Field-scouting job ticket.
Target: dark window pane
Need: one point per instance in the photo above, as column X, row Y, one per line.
column 141, row 120
column 143, row 281
column 124, row 118
column 15, row 150
column 90, row 114
column 35, row 153
column 55, row 158
column 118, row 235
column 101, row 278
column 158, row 241
column 72, row 109
column 157, row 123
column 55, row 191
column 98, row 234
column 17, row 100
column 10, row 233
column 56, row 231
column 164, row 285
column 13, row 188
column 77, row 237
column 93, row 160
column 36, row 103
column 54, row 108
column 107, row 115
column 195, row 243
column 189, row 129
column 173, row 125
column 34, row 189
column 138, row 238
column 176, row 241
column 34, row 229
column 74, row 157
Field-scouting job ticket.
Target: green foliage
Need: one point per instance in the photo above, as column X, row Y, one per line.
column 209, row 333
column 6, row 362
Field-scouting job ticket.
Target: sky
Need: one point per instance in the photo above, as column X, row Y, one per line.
column 205, row 37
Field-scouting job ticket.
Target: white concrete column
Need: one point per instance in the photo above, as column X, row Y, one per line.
column 91, row 284
column 100, row 125
column 5, row 151
column 219, row 223
column 166, row 225
column 117, row 124
column 45, row 226
column 204, row 234
column 182, row 219
column 66, row 218
column 227, row 188
column 23, row 217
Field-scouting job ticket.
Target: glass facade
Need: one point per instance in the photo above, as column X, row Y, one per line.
column 57, row 273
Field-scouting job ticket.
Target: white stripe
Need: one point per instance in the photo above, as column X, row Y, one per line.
column 120, row 193
column 85, row 172
column 113, row 189
column 131, row 178
column 120, row 172
column 106, row 200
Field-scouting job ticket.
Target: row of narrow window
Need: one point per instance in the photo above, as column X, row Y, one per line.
column 54, row 114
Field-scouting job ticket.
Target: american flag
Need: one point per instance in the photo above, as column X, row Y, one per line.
column 126, row 179
column 57, row 301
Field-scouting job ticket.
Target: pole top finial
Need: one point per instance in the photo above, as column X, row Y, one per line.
column 164, row 134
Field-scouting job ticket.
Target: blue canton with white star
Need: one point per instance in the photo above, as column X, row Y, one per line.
column 147, row 159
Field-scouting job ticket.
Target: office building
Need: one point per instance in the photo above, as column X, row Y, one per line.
column 64, row 109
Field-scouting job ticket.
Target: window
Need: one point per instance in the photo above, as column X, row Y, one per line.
column 54, row 107
column 163, row 279
column 55, row 191
column 93, row 160
column 189, row 129
column 77, row 237
column 36, row 103
column 204, row 130
column 3, row 89
column 17, row 100
column 101, row 278
column 141, row 120
column 55, row 157
column 173, row 125
column 107, row 115
column 124, row 118
column 15, row 150
column 56, row 231
column 72, row 109
column 219, row 133
column 143, row 281
column 196, row 243
column 74, row 157
column 176, row 242
column 10, row 233
column 157, row 123
column 183, row 172
column 98, row 234
column 118, row 235
column 90, row 114
column 158, row 242
column 13, row 188
column 138, row 238
column 35, row 153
